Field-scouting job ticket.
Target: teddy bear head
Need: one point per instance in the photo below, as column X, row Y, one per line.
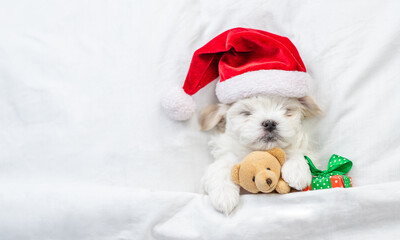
column 259, row 171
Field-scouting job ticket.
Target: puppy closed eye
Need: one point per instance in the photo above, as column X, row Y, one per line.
column 245, row 113
column 289, row 112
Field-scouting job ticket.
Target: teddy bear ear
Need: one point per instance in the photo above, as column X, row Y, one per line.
column 235, row 173
column 279, row 154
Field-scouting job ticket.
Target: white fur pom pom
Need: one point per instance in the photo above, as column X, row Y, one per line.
column 178, row 105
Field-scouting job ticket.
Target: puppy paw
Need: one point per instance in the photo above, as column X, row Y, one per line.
column 225, row 198
column 296, row 173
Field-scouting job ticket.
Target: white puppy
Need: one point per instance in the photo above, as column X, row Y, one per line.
column 256, row 123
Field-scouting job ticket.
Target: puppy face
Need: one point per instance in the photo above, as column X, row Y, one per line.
column 261, row 122
column 264, row 122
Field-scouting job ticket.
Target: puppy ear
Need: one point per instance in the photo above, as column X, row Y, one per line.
column 279, row 154
column 309, row 107
column 213, row 115
column 235, row 173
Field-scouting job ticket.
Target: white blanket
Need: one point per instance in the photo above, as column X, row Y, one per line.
column 87, row 153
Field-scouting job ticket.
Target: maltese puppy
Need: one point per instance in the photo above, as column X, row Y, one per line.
column 256, row 123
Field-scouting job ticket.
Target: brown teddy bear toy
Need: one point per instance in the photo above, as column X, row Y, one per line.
column 260, row 171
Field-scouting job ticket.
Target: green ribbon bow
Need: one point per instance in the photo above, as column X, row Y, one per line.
column 337, row 165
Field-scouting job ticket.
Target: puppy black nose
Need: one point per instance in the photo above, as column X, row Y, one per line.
column 269, row 181
column 269, row 125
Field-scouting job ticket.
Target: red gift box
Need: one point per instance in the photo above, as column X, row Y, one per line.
column 336, row 181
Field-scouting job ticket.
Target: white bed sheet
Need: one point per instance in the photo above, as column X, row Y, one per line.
column 87, row 153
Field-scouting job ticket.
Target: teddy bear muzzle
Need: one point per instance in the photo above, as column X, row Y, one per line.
column 266, row 181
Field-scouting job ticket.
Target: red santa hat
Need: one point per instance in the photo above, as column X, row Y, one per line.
column 248, row 62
